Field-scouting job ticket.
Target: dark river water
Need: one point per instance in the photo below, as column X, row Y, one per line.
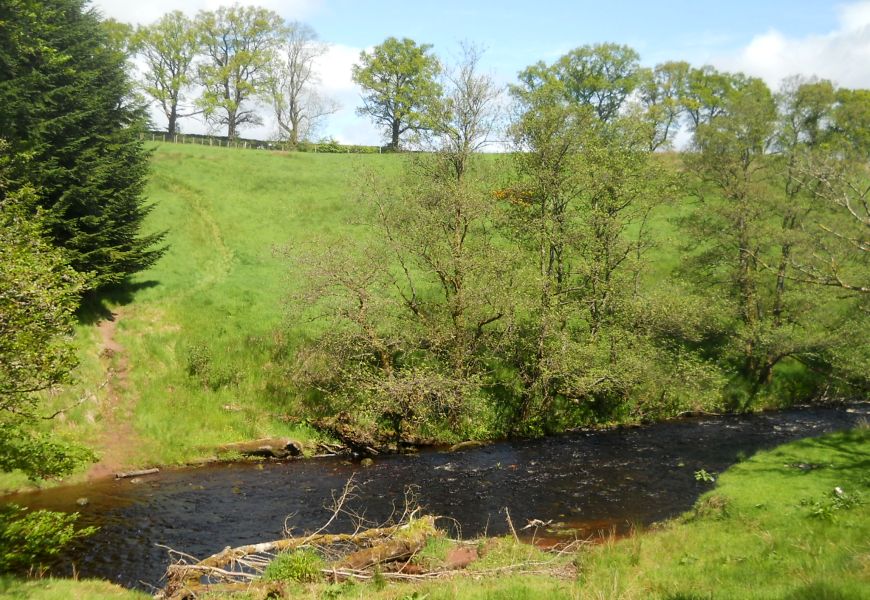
column 590, row 481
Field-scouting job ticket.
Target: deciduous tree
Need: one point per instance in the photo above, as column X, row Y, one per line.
column 38, row 295
column 662, row 92
column 239, row 43
column 601, row 76
column 400, row 87
column 168, row 48
column 299, row 108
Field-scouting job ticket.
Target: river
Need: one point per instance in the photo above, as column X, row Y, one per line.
column 588, row 481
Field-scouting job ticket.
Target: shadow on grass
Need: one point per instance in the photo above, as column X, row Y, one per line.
column 819, row 591
column 849, row 457
column 94, row 307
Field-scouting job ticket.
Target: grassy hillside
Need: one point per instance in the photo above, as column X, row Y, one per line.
column 195, row 355
column 187, row 363
column 199, row 330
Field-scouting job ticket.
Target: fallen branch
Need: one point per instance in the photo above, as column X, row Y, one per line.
column 139, row 473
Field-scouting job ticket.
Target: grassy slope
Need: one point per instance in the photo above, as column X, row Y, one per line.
column 216, row 295
column 219, row 290
column 215, row 299
column 64, row 589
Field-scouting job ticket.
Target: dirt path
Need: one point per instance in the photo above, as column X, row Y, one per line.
column 118, row 442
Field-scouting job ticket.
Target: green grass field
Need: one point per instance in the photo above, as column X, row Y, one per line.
column 213, row 305
column 200, row 328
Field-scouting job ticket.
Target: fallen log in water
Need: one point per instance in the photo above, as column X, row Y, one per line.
column 265, row 447
column 387, row 552
column 139, row 473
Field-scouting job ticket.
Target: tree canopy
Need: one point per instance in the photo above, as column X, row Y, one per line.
column 240, row 43
column 400, row 87
column 169, row 47
column 68, row 107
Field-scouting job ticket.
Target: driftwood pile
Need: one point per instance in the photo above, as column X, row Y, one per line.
column 240, row 569
column 387, row 552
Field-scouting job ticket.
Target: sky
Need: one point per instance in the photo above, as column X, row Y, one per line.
column 771, row 39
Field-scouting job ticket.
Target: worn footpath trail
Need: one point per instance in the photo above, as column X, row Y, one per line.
column 118, row 442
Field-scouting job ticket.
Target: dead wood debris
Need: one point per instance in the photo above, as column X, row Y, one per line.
column 387, row 552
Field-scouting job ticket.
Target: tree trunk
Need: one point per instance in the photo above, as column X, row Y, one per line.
column 394, row 140
column 173, row 119
column 231, row 124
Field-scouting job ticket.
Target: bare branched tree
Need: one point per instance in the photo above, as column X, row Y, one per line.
column 471, row 112
column 299, row 108
column 841, row 233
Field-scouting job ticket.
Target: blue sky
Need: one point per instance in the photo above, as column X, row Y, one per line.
column 518, row 32
column 766, row 38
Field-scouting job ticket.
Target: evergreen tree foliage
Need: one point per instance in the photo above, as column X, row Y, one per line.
column 68, row 107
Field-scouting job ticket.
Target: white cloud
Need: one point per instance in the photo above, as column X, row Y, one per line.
column 334, row 69
column 842, row 55
column 143, row 12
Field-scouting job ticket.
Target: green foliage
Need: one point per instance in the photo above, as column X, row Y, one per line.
column 704, row 476
column 753, row 245
column 600, row 76
column 38, row 454
column 298, row 565
column 398, row 78
column 239, row 43
column 331, row 146
column 27, row 539
column 168, row 47
column 68, row 110
column 38, row 294
column 836, row 500
column 662, row 92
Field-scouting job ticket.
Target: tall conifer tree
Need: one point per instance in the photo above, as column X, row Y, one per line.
column 68, row 106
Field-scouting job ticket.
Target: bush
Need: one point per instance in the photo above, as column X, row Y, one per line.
column 298, row 565
column 29, row 539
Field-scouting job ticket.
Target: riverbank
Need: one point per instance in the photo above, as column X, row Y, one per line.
column 786, row 523
column 775, row 520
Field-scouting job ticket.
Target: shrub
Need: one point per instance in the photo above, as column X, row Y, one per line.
column 298, row 565
column 28, row 539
